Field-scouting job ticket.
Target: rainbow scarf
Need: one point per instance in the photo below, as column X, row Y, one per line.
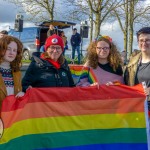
column 79, row 72
column 109, row 118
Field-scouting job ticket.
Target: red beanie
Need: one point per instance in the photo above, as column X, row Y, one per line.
column 54, row 40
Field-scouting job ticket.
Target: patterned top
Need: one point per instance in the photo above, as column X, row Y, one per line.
column 8, row 79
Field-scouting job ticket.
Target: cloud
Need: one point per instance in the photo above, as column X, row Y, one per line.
column 7, row 15
column 7, row 12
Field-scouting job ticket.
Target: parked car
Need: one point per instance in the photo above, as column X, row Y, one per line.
column 34, row 37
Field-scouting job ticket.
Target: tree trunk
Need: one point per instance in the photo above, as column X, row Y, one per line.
column 125, row 42
column 97, row 24
column 126, row 29
column 91, row 27
column 131, row 21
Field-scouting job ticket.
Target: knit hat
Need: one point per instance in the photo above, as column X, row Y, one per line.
column 54, row 40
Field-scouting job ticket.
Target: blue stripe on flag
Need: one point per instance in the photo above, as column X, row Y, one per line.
column 137, row 146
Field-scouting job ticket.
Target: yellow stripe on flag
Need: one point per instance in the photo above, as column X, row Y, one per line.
column 72, row 123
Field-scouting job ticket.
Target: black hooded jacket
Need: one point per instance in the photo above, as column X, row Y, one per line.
column 41, row 73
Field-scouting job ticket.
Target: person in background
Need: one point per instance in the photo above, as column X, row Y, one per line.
column 62, row 35
column 49, row 69
column 51, row 30
column 10, row 63
column 138, row 69
column 3, row 33
column 105, row 60
column 124, row 57
column 75, row 43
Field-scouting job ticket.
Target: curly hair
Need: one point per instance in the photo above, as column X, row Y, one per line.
column 114, row 57
column 4, row 42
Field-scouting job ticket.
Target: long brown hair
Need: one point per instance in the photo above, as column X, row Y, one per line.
column 4, row 42
column 114, row 57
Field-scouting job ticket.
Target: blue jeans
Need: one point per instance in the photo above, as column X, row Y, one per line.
column 74, row 48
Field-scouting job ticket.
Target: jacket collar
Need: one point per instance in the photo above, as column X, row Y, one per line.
column 135, row 59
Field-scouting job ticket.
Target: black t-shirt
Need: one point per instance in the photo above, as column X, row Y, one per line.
column 143, row 74
column 108, row 68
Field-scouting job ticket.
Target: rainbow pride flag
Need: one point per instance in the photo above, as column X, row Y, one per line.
column 108, row 118
column 79, row 72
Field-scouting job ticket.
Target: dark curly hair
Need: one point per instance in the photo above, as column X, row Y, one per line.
column 114, row 57
column 4, row 42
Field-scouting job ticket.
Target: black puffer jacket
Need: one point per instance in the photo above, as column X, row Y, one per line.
column 43, row 74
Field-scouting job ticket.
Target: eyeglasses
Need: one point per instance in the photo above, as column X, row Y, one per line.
column 103, row 48
column 58, row 49
column 146, row 41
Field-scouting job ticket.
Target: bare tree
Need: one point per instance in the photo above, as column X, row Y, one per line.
column 78, row 10
column 101, row 10
column 131, row 24
column 37, row 10
column 122, row 15
column 96, row 11
column 127, row 12
column 139, row 14
column 91, row 26
column 130, row 13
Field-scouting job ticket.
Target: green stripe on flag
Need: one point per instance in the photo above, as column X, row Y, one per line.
column 76, row 138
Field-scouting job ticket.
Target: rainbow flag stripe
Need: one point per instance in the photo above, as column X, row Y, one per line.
column 79, row 71
column 75, row 119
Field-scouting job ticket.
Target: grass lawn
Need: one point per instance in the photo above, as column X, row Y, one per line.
column 26, row 61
